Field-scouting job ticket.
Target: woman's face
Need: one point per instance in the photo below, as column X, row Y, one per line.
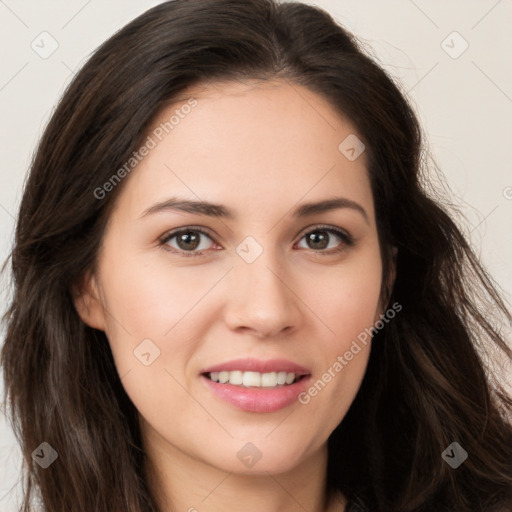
column 260, row 276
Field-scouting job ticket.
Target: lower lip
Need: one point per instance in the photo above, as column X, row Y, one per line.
column 258, row 399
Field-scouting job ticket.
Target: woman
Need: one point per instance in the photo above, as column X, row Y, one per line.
column 232, row 290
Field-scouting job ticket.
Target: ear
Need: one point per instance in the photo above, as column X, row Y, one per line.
column 88, row 303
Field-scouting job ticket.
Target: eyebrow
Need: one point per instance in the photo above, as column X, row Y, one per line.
column 218, row 210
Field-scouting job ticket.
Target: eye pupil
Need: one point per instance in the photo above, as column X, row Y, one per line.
column 319, row 237
column 189, row 237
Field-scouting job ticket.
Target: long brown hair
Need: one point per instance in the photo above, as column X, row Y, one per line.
column 427, row 383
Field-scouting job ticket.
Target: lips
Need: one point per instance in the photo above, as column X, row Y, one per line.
column 258, row 365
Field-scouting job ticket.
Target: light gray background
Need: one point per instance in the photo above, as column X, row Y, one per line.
column 464, row 103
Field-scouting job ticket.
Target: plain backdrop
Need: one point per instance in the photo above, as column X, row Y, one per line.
column 451, row 58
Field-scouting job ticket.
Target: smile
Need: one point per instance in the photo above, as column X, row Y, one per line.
column 254, row 379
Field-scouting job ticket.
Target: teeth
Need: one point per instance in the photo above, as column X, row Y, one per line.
column 256, row 379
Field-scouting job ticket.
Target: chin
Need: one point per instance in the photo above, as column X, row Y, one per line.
column 248, row 459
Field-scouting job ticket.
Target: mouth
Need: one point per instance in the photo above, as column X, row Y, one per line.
column 255, row 385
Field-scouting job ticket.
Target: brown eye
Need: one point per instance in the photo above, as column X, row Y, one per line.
column 187, row 241
column 318, row 239
column 323, row 238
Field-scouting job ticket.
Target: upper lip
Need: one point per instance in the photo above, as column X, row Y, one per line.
column 259, row 365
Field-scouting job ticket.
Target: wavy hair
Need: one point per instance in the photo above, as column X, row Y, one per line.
column 428, row 381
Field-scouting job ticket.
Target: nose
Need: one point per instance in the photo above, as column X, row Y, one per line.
column 261, row 299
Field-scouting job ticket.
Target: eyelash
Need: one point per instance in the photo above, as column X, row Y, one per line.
column 347, row 240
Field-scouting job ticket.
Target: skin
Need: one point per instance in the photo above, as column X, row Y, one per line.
column 260, row 149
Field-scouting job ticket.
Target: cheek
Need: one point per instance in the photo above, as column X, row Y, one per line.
column 149, row 298
column 149, row 311
column 348, row 297
column 349, row 305
column 153, row 333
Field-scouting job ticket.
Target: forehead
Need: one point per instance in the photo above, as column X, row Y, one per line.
column 254, row 144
